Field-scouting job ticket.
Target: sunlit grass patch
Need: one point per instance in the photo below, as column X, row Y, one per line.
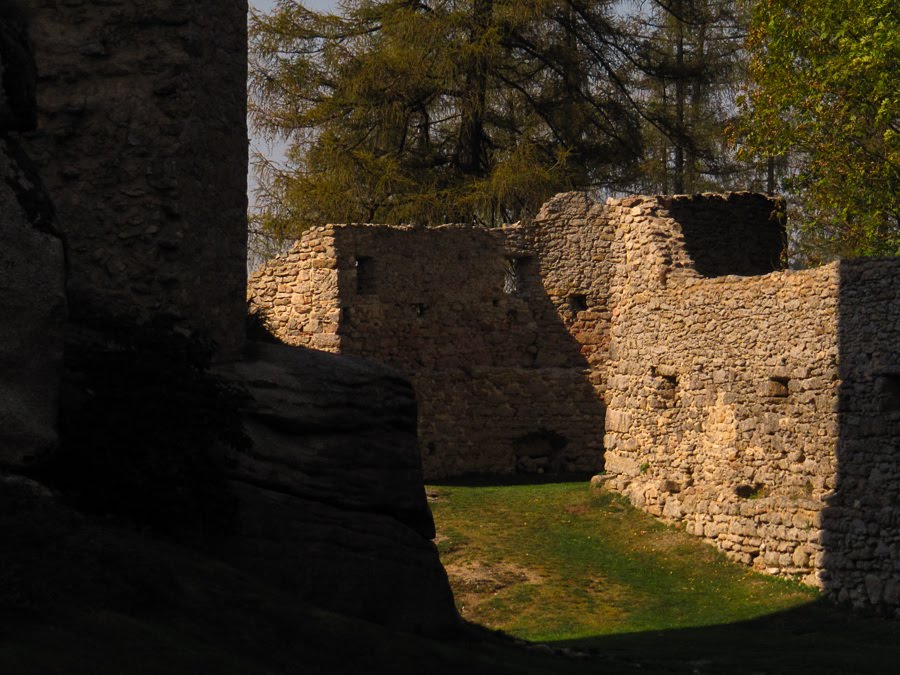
column 562, row 561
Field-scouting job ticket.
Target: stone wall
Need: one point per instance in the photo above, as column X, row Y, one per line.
column 505, row 332
column 757, row 407
column 755, row 410
column 496, row 328
column 142, row 145
column 861, row 524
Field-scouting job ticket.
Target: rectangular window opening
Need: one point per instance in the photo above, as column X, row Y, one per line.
column 889, row 387
column 666, row 382
column 577, row 304
column 365, row 276
column 667, row 374
column 777, row 387
column 515, row 270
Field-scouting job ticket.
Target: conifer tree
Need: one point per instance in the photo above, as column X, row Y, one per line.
column 430, row 111
column 687, row 69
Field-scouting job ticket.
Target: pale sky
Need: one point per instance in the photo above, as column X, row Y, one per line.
column 318, row 5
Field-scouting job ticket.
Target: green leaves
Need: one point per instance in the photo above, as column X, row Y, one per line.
column 823, row 90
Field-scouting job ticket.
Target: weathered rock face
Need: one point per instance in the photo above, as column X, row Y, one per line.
column 142, row 145
column 32, row 273
column 332, row 503
column 18, row 111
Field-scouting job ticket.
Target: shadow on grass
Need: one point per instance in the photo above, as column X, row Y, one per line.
column 480, row 480
column 815, row 638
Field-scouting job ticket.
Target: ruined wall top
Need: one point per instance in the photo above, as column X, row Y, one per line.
column 695, row 236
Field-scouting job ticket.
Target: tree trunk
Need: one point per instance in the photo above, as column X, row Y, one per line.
column 471, row 156
column 678, row 177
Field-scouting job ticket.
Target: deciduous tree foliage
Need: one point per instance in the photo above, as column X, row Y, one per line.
column 824, row 91
column 429, row 111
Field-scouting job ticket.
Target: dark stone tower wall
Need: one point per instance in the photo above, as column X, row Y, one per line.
column 142, row 144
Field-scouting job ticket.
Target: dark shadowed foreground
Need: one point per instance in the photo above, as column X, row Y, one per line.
column 89, row 596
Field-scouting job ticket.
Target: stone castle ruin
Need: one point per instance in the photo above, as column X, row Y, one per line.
column 658, row 338
column 504, row 332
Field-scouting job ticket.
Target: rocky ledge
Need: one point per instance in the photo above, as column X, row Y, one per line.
column 332, row 503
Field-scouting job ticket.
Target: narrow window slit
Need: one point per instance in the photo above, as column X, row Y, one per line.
column 365, row 276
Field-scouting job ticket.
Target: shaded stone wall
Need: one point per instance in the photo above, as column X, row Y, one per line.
column 497, row 332
column 578, row 255
column 142, row 145
column 756, row 411
column 861, row 524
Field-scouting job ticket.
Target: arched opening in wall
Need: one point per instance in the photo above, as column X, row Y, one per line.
column 539, row 452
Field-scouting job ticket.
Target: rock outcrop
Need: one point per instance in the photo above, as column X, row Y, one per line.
column 32, row 272
column 142, row 146
column 332, row 503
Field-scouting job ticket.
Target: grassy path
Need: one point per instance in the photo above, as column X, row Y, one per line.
column 557, row 562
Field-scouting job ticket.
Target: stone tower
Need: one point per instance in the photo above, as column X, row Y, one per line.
column 142, row 145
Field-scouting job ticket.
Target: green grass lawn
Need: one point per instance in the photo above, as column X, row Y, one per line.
column 564, row 561
column 577, row 567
